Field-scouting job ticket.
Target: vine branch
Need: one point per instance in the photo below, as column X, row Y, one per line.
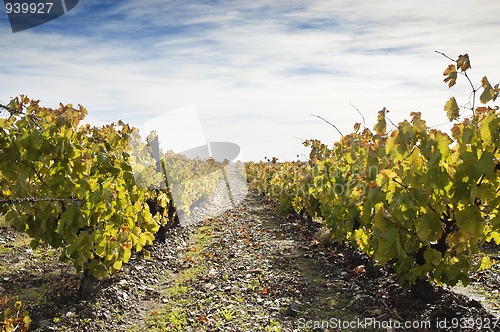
column 364, row 123
column 331, row 124
column 474, row 90
column 11, row 201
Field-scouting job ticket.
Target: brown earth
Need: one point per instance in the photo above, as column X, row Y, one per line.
column 245, row 270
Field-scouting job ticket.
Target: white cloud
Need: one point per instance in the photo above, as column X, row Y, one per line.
column 254, row 70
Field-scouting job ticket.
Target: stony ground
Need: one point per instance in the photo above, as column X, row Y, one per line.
column 245, row 270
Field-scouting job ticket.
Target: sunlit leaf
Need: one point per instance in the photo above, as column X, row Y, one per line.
column 488, row 93
column 452, row 109
column 485, row 263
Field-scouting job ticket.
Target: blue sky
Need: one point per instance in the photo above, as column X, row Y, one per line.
column 254, row 70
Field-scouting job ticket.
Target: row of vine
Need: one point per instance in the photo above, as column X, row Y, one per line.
column 414, row 198
column 96, row 193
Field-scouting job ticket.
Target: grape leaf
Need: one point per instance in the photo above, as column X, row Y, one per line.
column 463, row 62
column 432, row 256
column 452, row 109
column 429, row 228
column 485, row 263
column 488, row 93
column 495, row 222
column 469, row 220
column 356, row 127
column 495, row 236
column 451, row 75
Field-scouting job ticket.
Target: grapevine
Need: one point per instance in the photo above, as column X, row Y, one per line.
column 84, row 190
column 71, row 186
column 416, row 199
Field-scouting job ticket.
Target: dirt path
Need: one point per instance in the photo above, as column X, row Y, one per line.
column 245, row 270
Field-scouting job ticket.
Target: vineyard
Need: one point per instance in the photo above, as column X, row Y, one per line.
column 412, row 197
column 399, row 204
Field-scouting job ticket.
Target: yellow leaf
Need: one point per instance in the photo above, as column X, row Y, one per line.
column 485, row 263
column 452, row 109
column 18, row 305
column 117, row 265
column 488, row 93
column 26, row 319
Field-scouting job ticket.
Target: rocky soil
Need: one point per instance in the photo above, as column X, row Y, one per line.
column 247, row 269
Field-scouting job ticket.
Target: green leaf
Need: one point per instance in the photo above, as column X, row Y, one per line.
column 387, row 245
column 444, row 142
column 98, row 269
column 100, row 246
column 429, row 228
column 432, row 256
column 470, row 220
column 486, row 165
column 14, row 219
column 495, row 222
column 68, row 220
column 103, row 158
column 490, row 128
column 452, row 109
column 380, row 127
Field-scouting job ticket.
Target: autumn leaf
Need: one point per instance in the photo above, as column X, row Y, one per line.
column 485, row 263
column 463, row 62
column 358, row 270
column 480, row 110
column 456, row 131
column 451, row 75
column 18, row 305
column 452, row 109
column 488, row 93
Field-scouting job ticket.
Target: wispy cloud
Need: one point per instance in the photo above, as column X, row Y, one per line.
column 255, row 70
